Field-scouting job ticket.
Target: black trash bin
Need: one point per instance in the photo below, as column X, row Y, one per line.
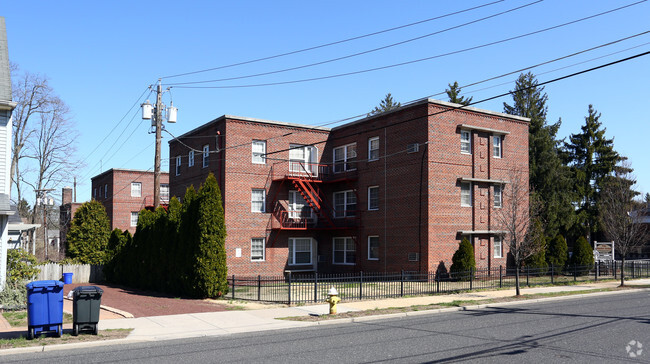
column 85, row 309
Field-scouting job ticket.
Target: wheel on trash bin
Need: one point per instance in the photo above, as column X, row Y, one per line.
column 95, row 330
column 30, row 333
column 59, row 330
column 75, row 330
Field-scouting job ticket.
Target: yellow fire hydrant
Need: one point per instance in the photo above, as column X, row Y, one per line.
column 333, row 299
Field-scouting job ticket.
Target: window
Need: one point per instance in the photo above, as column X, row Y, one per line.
column 259, row 152
column 373, row 198
column 258, row 200
column 413, row 148
column 298, row 207
column 302, row 159
column 206, row 153
column 136, row 189
column 178, row 165
column 498, row 199
column 465, row 141
column 257, row 249
column 466, row 194
column 300, row 251
column 344, row 251
column 345, row 204
column 498, row 247
column 190, row 159
column 496, row 146
column 164, row 192
column 134, row 218
column 373, row 248
column 373, row 149
column 106, row 191
column 345, row 158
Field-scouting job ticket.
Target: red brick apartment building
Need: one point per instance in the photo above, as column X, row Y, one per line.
column 395, row 191
column 124, row 192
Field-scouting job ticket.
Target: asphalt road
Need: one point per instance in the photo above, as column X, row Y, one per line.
column 600, row 329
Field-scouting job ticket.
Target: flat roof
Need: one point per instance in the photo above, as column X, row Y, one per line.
column 125, row 170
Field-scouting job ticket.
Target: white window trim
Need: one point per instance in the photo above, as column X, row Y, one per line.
column 292, row 260
column 164, row 196
column 345, row 204
column 263, row 209
column 500, row 245
column 206, row 154
column 369, row 237
column 347, row 159
column 258, row 157
column 294, row 213
column 137, row 192
column 347, row 240
column 253, row 259
column 369, row 208
column 499, row 195
column 136, row 214
column 494, row 139
column 178, row 165
column 105, row 190
column 370, row 150
column 471, row 197
column 308, row 163
column 469, row 141
column 190, row 159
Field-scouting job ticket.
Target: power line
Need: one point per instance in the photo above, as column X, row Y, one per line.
column 335, row 42
column 363, row 52
column 179, row 85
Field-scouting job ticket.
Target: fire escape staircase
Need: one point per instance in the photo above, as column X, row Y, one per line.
column 312, row 194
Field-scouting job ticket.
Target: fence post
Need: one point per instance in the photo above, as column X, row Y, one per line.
column 471, row 278
column 528, row 275
column 500, row 276
column 315, row 286
column 552, row 272
column 437, row 277
column 259, row 287
column 401, row 284
column 614, row 269
column 289, row 291
column 233, row 286
column 596, row 268
column 361, row 285
column 575, row 272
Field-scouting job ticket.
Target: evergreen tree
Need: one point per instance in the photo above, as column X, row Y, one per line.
column 591, row 157
column 386, row 104
column 188, row 237
column 538, row 259
column 549, row 179
column 174, row 245
column 141, row 258
column 87, row 239
column 114, row 266
column 557, row 251
column 453, row 94
column 463, row 261
column 583, row 256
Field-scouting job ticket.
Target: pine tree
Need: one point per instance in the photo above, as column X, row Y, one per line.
column 591, row 157
column 582, row 257
column 549, row 179
column 538, row 259
column 463, row 261
column 87, row 239
column 557, row 251
column 453, row 94
column 386, row 104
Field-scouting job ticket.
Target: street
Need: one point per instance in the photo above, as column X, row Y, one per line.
column 611, row 328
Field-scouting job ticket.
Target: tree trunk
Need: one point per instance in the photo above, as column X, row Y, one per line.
column 623, row 271
column 517, row 280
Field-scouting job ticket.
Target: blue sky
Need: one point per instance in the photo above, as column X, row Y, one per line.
column 101, row 56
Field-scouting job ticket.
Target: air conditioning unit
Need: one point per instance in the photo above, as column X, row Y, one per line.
column 414, row 257
column 412, row 148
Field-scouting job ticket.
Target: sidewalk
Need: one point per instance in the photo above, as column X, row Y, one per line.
column 232, row 322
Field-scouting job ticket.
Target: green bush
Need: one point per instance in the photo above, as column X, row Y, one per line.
column 14, row 295
column 87, row 239
column 582, row 256
column 21, row 266
column 463, row 261
column 557, row 251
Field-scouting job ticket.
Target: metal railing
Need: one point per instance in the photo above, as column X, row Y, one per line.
column 313, row 287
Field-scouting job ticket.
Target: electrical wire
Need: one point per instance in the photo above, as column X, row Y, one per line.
column 335, row 42
column 180, row 85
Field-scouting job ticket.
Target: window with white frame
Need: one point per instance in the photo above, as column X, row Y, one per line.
column 302, row 159
column 498, row 196
column 373, row 198
column 190, row 159
column 300, row 251
column 258, row 249
column 136, row 189
column 498, row 247
column 259, row 151
column 466, row 194
column 134, row 218
column 106, row 191
column 164, row 192
column 373, row 149
column 373, row 248
column 496, row 146
column 298, row 207
column 466, row 141
column 344, row 251
column 345, row 204
column 206, row 154
column 258, row 200
column 345, row 158
column 178, row 165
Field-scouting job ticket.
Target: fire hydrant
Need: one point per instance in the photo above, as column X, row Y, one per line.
column 333, row 299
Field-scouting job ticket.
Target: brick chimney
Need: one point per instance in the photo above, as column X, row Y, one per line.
column 66, row 197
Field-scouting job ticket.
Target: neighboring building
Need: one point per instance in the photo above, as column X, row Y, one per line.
column 125, row 192
column 391, row 192
column 6, row 108
column 21, row 234
column 66, row 213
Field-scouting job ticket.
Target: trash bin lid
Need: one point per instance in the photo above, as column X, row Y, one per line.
column 44, row 284
column 88, row 290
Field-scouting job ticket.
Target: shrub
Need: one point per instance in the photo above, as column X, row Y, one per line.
column 582, row 257
column 557, row 251
column 87, row 239
column 21, row 268
column 463, row 261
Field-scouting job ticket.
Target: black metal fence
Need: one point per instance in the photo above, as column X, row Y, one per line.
column 303, row 288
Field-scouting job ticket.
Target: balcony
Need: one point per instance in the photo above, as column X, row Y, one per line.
column 316, row 172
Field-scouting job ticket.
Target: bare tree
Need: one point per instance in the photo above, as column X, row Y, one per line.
column 622, row 220
column 518, row 221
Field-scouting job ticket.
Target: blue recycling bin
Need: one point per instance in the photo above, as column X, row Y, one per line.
column 44, row 307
